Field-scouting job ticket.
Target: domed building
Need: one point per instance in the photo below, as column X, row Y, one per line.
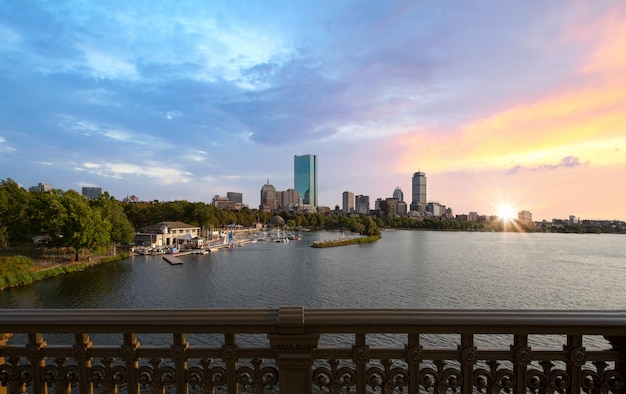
column 398, row 194
column 276, row 221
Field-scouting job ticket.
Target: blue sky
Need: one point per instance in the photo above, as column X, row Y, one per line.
column 498, row 102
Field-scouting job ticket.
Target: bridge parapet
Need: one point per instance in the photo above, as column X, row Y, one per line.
column 297, row 350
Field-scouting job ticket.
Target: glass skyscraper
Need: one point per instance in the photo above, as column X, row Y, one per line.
column 305, row 178
column 418, row 195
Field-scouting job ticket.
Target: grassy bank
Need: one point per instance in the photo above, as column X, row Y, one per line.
column 344, row 242
column 21, row 270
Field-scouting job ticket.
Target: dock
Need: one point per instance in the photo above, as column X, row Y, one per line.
column 173, row 260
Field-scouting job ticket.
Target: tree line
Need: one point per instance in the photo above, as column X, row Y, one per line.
column 67, row 219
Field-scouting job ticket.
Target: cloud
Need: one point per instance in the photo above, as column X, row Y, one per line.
column 566, row 162
column 153, row 170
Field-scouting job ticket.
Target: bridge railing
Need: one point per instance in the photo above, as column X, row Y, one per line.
column 297, row 350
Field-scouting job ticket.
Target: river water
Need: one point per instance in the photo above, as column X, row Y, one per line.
column 405, row 269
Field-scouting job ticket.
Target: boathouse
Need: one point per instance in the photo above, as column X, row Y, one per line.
column 166, row 234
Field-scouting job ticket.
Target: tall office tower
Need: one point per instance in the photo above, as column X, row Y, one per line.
column 305, row 178
column 348, row 202
column 235, row 197
column 362, row 204
column 268, row 198
column 418, row 190
column 398, row 194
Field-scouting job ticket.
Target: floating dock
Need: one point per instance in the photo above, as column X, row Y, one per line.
column 173, row 260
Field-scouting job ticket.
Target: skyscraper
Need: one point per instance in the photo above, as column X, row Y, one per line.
column 362, row 204
column 418, row 197
column 305, row 178
column 398, row 194
column 268, row 197
column 348, row 202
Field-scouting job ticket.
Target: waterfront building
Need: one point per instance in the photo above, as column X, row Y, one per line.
column 389, row 206
column 225, row 203
column 287, row 200
column 398, row 194
column 235, row 197
column 435, row 209
column 348, row 202
column 525, row 217
column 92, row 193
column 362, row 204
column 41, row 187
column 166, row 234
column 418, row 191
column 305, row 178
column 402, row 208
column 268, row 198
column 473, row 216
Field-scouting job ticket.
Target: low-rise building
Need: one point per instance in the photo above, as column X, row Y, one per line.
column 167, row 234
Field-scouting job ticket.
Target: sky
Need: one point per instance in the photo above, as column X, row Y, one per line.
column 518, row 103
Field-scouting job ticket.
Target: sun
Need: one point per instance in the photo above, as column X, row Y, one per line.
column 506, row 212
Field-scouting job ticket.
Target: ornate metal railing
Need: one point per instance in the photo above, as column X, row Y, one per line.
column 293, row 350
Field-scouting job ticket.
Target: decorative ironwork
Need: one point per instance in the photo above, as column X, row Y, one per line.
column 387, row 378
column 256, row 377
column 494, row 379
column 106, row 376
column 335, row 378
column 206, row 376
column 409, row 366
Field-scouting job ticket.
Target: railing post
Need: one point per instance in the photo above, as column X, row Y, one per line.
column 467, row 356
column 294, row 352
column 619, row 343
column 128, row 354
column 576, row 359
column 179, row 357
column 4, row 338
column 35, row 344
column 81, row 354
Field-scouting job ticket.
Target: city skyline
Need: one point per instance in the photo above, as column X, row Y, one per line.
column 499, row 103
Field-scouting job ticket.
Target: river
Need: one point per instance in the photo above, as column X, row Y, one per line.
column 405, row 269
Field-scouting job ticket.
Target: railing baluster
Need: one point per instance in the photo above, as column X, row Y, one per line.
column 129, row 356
column 4, row 338
column 230, row 356
column 179, row 357
column 37, row 362
column 575, row 362
column 82, row 357
column 521, row 359
column 467, row 357
column 360, row 356
column 413, row 359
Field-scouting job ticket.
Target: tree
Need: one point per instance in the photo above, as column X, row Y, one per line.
column 112, row 211
column 14, row 201
column 46, row 214
column 84, row 227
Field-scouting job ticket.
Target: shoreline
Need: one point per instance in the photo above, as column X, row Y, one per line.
column 44, row 269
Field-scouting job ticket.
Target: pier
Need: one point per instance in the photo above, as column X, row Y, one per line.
column 174, row 259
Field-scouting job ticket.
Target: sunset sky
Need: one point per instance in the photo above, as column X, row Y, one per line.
column 521, row 103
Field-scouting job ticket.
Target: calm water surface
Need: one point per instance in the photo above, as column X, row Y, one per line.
column 406, row 269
